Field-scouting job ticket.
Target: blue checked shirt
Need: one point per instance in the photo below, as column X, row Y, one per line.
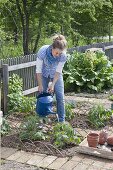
column 48, row 69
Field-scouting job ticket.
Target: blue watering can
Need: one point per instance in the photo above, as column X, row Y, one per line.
column 44, row 104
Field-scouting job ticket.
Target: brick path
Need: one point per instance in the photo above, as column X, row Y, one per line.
column 77, row 162
column 76, row 99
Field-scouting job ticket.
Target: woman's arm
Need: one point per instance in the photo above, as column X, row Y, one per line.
column 39, row 63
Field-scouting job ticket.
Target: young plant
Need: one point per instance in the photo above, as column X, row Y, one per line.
column 5, row 127
column 30, row 129
column 98, row 116
column 63, row 134
column 69, row 112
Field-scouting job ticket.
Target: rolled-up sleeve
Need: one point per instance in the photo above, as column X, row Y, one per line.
column 60, row 67
column 39, row 64
column 61, row 63
column 40, row 57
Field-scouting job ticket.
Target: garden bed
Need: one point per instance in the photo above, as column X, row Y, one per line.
column 79, row 123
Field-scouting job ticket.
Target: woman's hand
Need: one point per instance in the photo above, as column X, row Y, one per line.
column 40, row 89
column 51, row 87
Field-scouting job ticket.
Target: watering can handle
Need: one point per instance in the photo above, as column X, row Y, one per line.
column 43, row 94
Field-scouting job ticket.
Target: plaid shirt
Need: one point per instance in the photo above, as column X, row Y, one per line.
column 48, row 69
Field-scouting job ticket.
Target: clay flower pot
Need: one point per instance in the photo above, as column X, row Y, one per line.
column 103, row 135
column 110, row 140
column 92, row 139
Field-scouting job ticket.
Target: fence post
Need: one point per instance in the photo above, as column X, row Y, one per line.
column 0, row 86
column 5, row 87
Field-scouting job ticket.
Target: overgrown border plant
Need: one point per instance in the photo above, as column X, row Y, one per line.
column 89, row 71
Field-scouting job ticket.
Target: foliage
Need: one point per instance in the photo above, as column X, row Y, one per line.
column 98, row 116
column 64, row 134
column 15, row 93
column 89, row 71
column 28, row 104
column 111, row 97
column 68, row 111
column 5, row 127
column 30, row 22
column 18, row 102
column 30, row 129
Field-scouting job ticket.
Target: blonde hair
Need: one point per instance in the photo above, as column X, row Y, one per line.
column 59, row 42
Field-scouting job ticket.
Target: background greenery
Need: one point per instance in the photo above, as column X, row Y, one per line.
column 27, row 24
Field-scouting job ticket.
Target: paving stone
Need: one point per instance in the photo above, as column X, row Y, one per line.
column 6, row 152
column 46, row 161
column 3, row 149
column 25, row 157
column 78, row 157
column 87, row 160
column 81, row 166
column 108, row 165
column 94, row 168
column 69, row 165
column 36, row 158
column 98, row 162
column 57, row 163
column 15, row 155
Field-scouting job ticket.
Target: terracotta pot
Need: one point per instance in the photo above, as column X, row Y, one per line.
column 103, row 135
column 110, row 140
column 93, row 139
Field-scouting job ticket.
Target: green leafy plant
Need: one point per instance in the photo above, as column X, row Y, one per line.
column 89, row 71
column 98, row 115
column 64, row 134
column 69, row 112
column 15, row 93
column 5, row 127
column 17, row 101
column 30, row 129
column 28, row 104
column 111, row 97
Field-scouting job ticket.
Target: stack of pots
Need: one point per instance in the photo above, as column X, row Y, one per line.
column 94, row 138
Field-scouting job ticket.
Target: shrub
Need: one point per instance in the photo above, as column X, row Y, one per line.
column 89, row 71
column 15, row 93
column 17, row 101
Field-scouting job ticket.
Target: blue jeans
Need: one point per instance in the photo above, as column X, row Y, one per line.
column 59, row 92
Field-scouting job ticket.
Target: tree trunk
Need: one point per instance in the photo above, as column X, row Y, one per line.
column 25, row 29
column 38, row 36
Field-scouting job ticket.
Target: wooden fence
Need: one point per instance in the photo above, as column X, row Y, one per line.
column 25, row 67
column 107, row 47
